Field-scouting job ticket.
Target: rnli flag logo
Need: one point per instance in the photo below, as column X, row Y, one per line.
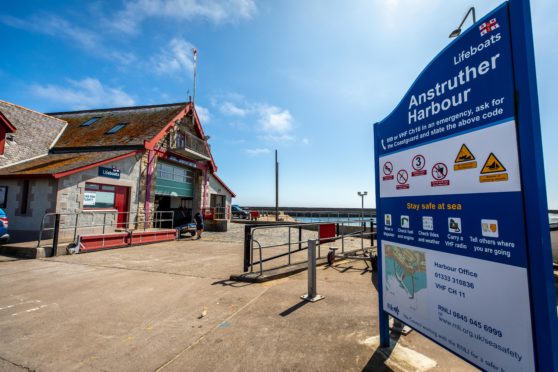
column 488, row 26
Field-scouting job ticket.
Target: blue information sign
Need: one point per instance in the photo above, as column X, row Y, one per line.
column 451, row 206
column 109, row 172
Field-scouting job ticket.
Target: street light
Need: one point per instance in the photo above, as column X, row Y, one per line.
column 362, row 195
column 457, row 31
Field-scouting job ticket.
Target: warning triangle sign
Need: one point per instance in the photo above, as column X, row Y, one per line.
column 492, row 165
column 464, row 155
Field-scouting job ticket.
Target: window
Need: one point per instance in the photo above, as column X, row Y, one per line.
column 3, row 196
column 172, row 173
column 90, row 121
column 116, row 128
column 98, row 196
column 24, row 197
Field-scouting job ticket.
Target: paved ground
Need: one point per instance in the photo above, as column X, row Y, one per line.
column 169, row 307
column 274, row 241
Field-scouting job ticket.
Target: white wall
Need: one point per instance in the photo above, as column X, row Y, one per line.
column 215, row 187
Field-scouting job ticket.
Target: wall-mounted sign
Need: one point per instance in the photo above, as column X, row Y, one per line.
column 109, row 172
column 89, row 198
column 452, row 236
column 182, row 161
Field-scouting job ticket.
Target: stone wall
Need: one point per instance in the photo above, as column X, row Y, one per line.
column 142, row 190
column 199, row 180
column 69, row 199
column 41, row 199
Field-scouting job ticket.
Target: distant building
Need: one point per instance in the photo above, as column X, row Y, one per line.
column 130, row 162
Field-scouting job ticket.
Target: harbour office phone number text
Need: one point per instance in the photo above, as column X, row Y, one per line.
column 453, row 280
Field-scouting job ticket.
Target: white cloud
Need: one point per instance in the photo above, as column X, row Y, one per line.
column 274, row 119
column 238, row 125
column 229, row 108
column 83, row 94
column 277, row 137
column 236, row 141
column 257, row 151
column 56, row 26
column 52, row 25
column 305, row 141
column 135, row 12
column 203, row 114
column 273, row 123
column 177, row 56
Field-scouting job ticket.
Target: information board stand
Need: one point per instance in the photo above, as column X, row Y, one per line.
column 463, row 239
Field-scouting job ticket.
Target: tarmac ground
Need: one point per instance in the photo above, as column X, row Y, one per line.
column 171, row 307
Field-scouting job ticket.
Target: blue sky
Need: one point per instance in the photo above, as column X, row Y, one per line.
column 305, row 77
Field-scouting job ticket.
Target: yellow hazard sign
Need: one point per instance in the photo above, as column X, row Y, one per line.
column 464, row 155
column 492, row 165
column 464, row 159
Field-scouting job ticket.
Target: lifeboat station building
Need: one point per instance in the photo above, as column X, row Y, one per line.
column 107, row 170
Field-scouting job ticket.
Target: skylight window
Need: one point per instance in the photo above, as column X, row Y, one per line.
column 116, row 128
column 90, row 121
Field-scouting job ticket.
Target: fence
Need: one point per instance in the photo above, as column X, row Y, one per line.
column 216, row 213
column 352, row 217
column 101, row 222
column 278, row 240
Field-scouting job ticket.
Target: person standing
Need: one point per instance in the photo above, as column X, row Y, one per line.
column 199, row 224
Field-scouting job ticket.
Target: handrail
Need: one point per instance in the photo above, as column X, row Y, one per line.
column 156, row 220
column 360, row 233
column 318, row 216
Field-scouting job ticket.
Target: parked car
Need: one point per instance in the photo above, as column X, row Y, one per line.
column 238, row 212
column 4, row 236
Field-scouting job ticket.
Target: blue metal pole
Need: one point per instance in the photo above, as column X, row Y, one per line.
column 543, row 299
column 383, row 324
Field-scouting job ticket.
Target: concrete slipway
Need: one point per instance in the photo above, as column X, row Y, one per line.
column 171, row 307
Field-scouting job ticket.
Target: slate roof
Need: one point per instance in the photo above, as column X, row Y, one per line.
column 35, row 133
column 142, row 124
column 80, row 147
column 53, row 164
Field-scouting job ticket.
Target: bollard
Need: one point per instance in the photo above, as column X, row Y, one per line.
column 289, row 245
column 55, row 237
column 312, row 295
column 300, row 238
column 247, row 247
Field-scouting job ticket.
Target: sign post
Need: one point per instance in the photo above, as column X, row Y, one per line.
column 463, row 240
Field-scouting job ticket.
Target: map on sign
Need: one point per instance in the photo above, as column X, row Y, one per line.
column 405, row 268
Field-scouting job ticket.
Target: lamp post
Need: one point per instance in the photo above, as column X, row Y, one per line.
column 362, row 195
column 457, row 31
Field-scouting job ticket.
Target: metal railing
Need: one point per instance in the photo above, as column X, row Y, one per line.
column 216, row 213
column 255, row 235
column 195, row 144
column 313, row 216
column 102, row 222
